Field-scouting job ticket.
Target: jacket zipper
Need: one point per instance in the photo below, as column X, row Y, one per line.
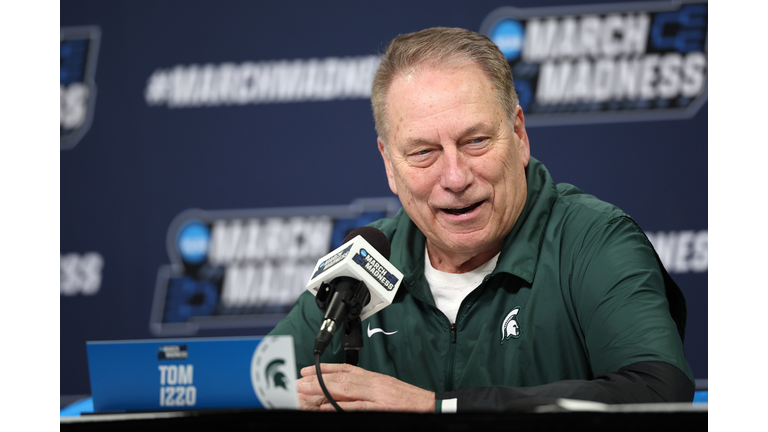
column 451, row 359
column 452, row 346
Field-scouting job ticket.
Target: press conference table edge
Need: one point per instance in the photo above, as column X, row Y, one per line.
column 634, row 416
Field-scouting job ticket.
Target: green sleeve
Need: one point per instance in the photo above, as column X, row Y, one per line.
column 620, row 299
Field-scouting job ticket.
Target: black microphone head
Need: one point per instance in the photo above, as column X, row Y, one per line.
column 374, row 237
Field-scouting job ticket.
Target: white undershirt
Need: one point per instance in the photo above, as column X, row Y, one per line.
column 449, row 289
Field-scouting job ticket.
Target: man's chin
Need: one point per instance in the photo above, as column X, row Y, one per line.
column 464, row 242
column 468, row 232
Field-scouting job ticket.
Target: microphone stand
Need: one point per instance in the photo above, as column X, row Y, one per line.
column 348, row 297
column 342, row 302
column 352, row 340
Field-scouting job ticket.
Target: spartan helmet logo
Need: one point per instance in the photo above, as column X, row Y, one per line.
column 273, row 373
column 275, row 377
column 510, row 328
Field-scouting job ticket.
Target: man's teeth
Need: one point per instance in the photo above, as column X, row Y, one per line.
column 462, row 210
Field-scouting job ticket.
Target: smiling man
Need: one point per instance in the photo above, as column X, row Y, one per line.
column 514, row 287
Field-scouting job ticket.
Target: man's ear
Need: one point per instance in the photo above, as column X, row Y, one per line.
column 522, row 135
column 387, row 166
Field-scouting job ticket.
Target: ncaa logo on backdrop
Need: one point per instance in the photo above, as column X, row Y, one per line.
column 78, row 51
column 605, row 63
column 192, row 241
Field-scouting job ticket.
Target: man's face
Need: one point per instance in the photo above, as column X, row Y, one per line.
column 455, row 161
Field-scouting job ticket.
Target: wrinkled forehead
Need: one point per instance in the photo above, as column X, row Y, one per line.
column 430, row 88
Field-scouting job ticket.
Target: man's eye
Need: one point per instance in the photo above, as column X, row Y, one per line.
column 421, row 152
column 422, row 158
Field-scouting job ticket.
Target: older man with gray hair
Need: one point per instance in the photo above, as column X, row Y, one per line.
column 514, row 287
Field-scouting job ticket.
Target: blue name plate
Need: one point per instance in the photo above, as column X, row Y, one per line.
column 254, row 372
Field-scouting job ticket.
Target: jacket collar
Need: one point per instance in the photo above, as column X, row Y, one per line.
column 520, row 252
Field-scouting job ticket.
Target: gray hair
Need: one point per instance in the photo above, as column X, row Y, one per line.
column 440, row 47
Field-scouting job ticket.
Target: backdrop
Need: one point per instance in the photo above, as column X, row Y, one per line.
column 211, row 152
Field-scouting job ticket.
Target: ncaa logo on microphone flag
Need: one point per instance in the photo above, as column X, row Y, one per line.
column 605, row 63
column 77, row 70
column 383, row 276
column 332, row 261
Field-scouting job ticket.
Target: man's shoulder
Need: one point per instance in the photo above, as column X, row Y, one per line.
column 578, row 217
column 572, row 202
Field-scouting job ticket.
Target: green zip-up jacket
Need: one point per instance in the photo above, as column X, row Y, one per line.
column 578, row 306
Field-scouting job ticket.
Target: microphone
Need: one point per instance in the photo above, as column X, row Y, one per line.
column 362, row 282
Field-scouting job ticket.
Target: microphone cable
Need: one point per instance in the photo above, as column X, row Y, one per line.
column 322, row 384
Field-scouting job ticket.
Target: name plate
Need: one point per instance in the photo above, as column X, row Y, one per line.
column 182, row 374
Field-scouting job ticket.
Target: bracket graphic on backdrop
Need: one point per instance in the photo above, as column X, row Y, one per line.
column 78, row 53
column 246, row 268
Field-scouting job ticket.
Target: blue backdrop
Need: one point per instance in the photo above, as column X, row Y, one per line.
column 249, row 122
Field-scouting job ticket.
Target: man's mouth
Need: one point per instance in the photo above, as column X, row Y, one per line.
column 462, row 210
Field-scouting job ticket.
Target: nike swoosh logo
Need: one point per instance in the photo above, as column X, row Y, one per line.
column 372, row 332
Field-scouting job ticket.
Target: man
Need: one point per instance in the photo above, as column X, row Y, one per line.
column 513, row 287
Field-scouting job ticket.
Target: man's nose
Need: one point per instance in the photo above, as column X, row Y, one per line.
column 456, row 174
